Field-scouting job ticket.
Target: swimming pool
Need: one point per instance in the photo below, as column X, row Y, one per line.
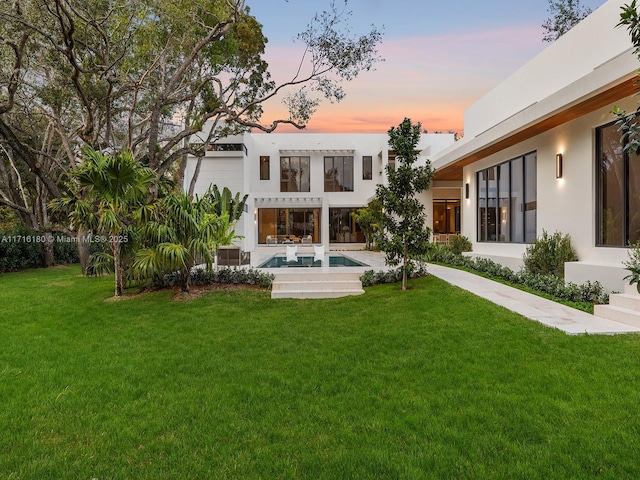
column 335, row 260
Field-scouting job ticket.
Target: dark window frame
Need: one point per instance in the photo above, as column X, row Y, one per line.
column 627, row 237
column 299, row 178
column 367, row 167
column 265, row 171
column 484, row 232
column 339, row 164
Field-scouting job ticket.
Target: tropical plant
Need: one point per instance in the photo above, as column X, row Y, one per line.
column 111, row 200
column 225, row 202
column 369, row 219
column 547, row 254
column 182, row 236
column 404, row 234
column 633, row 265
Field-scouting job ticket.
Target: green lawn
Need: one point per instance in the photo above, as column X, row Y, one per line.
column 430, row 383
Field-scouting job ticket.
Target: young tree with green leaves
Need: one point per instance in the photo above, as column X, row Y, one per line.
column 565, row 14
column 404, row 235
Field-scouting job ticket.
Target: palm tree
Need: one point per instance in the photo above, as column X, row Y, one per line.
column 184, row 235
column 114, row 192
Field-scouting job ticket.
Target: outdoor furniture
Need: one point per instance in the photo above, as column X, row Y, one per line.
column 271, row 240
column 308, row 240
column 233, row 256
column 292, row 253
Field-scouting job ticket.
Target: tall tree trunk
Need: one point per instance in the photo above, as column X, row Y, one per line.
column 404, row 266
column 117, row 268
column 194, row 179
column 43, row 224
column 179, row 175
column 83, row 249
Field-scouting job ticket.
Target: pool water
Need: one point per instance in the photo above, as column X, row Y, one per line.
column 280, row 261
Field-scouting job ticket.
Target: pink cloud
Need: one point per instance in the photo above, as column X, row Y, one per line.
column 428, row 78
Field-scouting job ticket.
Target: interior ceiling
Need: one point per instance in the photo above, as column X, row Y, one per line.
column 453, row 172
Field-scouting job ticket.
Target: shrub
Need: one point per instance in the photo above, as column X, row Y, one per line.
column 371, row 277
column 550, row 284
column 633, row 265
column 240, row 276
column 459, row 244
column 16, row 253
column 548, row 254
column 21, row 248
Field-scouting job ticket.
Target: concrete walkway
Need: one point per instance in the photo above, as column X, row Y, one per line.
column 547, row 312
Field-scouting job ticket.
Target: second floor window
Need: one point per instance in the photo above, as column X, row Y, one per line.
column 367, row 168
column 294, row 174
column 338, row 174
column 265, row 167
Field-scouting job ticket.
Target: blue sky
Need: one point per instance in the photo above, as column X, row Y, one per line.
column 440, row 57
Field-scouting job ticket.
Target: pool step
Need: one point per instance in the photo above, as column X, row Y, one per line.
column 316, row 285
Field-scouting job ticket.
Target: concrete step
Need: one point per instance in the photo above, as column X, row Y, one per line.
column 618, row 314
column 630, row 301
column 314, row 293
column 316, row 285
column 299, row 274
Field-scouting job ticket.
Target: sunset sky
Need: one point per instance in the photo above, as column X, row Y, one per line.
column 440, row 57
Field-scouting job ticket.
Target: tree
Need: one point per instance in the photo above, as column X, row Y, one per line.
column 370, row 220
column 404, row 234
column 181, row 238
column 143, row 76
column 110, row 202
column 565, row 14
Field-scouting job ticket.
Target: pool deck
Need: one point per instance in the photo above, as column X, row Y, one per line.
column 547, row 312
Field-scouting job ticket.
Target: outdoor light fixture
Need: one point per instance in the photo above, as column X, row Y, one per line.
column 466, row 190
column 559, row 165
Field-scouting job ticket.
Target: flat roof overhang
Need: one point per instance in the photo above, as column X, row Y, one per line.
column 453, row 171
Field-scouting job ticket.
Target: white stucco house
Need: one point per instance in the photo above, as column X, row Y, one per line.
column 302, row 187
column 541, row 151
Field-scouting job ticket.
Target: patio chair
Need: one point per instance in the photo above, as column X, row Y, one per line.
column 271, row 240
column 308, row 240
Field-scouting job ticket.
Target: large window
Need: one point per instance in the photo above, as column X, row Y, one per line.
column 342, row 227
column 338, row 174
column 446, row 216
column 294, row 174
column 507, row 201
column 282, row 224
column 618, row 179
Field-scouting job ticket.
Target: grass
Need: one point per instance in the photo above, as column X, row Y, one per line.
column 430, row 383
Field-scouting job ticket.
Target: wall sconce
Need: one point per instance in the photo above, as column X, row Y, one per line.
column 466, row 190
column 559, row 165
